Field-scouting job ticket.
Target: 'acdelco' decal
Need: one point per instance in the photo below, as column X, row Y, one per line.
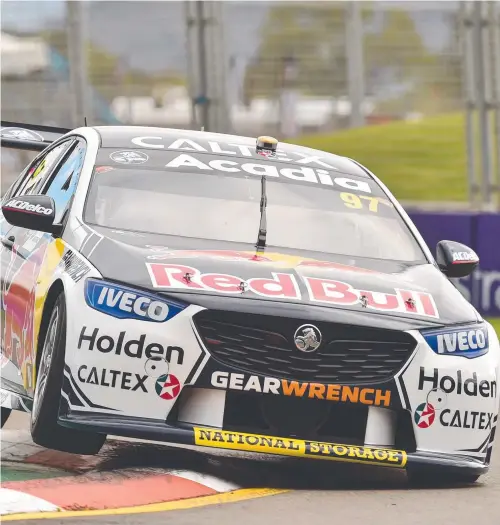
column 125, row 303
column 16, row 204
column 465, row 257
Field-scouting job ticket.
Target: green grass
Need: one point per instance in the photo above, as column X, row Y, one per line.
column 496, row 324
column 423, row 160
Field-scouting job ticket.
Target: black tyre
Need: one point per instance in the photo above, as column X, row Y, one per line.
column 432, row 478
column 5, row 414
column 45, row 430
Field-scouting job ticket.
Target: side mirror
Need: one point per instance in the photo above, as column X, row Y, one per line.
column 455, row 259
column 34, row 212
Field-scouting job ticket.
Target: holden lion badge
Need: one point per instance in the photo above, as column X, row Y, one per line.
column 307, row 338
column 129, row 157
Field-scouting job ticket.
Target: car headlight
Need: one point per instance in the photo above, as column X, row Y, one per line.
column 466, row 341
column 124, row 302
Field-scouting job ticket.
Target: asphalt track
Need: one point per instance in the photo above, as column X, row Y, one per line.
column 313, row 492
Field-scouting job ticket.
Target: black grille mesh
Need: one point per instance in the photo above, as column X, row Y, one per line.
column 265, row 345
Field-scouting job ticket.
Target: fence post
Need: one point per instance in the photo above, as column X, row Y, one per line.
column 481, row 70
column 355, row 62
column 470, row 94
column 207, row 65
column 288, row 126
column 77, row 58
column 495, row 57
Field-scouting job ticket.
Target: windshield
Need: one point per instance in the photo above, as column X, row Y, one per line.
column 226, row 207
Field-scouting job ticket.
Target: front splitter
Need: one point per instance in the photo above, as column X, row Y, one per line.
column 214, row 438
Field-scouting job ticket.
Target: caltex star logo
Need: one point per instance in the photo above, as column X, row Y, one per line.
column 425, row 415
column 167, row 386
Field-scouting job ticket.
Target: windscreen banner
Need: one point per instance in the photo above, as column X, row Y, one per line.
column 479, row 231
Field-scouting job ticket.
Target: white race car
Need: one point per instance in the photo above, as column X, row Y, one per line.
column 218, row 291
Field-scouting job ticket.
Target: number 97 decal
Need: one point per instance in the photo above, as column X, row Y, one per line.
column 363, row 202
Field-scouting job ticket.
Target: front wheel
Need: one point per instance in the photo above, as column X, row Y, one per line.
column 45, row 429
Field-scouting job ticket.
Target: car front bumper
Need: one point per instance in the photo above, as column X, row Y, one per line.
column 210, row 438
column 111, row 387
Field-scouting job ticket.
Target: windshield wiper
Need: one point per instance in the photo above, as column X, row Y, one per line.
column 261, row 239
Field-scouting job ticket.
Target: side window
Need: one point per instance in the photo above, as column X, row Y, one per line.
column 62, row 185
column 40, row 168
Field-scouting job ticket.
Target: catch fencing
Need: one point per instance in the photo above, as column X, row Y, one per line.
column 405, row 60
column 282, row 68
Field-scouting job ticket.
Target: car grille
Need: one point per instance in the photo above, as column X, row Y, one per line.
column 265, row 345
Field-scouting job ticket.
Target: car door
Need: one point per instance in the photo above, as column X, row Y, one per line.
column 54, row 173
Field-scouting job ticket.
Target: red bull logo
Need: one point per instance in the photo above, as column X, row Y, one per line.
column 18, row 305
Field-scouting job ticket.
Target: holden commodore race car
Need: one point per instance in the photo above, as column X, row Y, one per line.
column 225, row 292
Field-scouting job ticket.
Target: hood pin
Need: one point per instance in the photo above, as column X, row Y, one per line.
column 364, row 301
column 410, row 303
column 187, row 277
column 243, row 286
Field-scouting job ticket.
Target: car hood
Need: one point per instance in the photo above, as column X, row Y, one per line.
column 199, row 271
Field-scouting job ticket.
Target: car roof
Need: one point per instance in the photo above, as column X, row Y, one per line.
column 121, row 137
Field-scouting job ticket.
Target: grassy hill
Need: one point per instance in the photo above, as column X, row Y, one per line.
column 423, row 160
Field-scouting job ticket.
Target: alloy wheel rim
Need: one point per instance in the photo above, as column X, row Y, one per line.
column 45, row 360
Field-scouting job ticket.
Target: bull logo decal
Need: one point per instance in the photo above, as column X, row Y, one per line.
column 307, row 338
